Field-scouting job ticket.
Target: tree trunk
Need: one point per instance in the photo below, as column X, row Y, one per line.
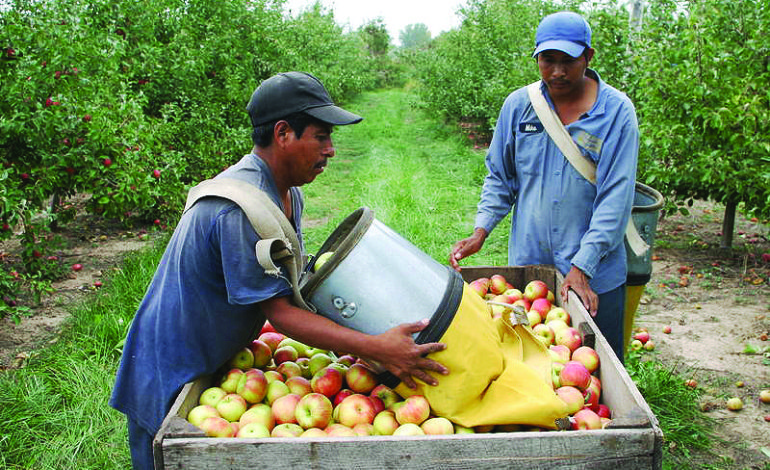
column 728, row 225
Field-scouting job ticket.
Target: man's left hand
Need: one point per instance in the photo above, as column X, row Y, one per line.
column 578, row 281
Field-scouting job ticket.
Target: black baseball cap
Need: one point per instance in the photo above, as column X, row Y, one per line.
column 288, row 93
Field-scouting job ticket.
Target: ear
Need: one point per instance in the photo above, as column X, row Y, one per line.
column 281, row 132
column 589, row 55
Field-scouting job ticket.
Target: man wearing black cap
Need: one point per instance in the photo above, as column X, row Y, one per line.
column 559, row 217
column 209, row 294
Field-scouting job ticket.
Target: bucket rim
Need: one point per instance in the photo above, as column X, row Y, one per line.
column 651, row 192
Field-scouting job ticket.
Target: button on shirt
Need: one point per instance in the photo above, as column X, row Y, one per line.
column 560, row 218
column 200, row 308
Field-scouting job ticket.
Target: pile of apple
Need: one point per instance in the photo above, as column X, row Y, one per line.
column 280, row 387
column 574, row 364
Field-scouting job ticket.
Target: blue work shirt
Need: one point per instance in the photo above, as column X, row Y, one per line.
column 201, row 307
column 559, row 217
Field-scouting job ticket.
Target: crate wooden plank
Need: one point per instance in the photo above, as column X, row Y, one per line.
column 632, row 442
column 547, row 450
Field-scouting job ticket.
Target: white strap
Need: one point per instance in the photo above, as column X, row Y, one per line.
column 572, row 153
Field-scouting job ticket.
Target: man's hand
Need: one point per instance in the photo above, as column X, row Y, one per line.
column 467, row 247
column 578, row 281
column 401, row 356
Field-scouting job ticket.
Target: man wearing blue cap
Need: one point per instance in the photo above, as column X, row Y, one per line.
column 559, row 217
column 210, row 294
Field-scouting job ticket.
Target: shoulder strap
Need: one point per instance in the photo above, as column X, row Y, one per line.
column 278, row 244
column 572, row 153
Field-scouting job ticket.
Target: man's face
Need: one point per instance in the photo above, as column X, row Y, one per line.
column 310, row 153
column 562, row 73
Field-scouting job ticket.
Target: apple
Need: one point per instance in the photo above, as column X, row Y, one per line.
column 377, row 404
column 513, row 295
column 284, row 408
column 300, row 347
column 497, row 311
column 156, row 173
column 267, row 327
column 463, row 430
column 243, row 359
column 542, row 306
column 649, row 345
column 535, row 289
column 252, row 386
column 385, row 423
column 595, row 386
column 259, row 413
column 551, row 297
column 692, row 383
column 386, row 394
column 327, row 381
column 272, row 375
column 287, row 430
column 569, row 337
column 272, row 339
column 415, row 409
column 588, row 357
column 360, row 378
column 77, row 267
column 544, row 333
column 217, row 427
column 262, row 353
column 254, row 431
column 558, row 313
column 559, row 353
column 355, row 409
column 299, row 385
column 556, row 368
column 314, row 432
column 364, row 429
column 341, row 395
column 497, row 284
column 318, row 361
column 409, row 429
column 285, row 353
column 572, row 397
column 764, row 396
column 479, row 288
column 592, row 400
column 667, row 329
column 734, row 404
column 314, row 410
column 586, row 419
column 576, row 375
column 636, row 345
column 346, row 359
column 604, row 411
column 642, row 336
column 522, row 303
column 212, row 396
column 200, row 413
column 605, row 422
column 322, row 259
column 289, row 369
column 231, row 407
column 437, row 425
column 339, row 430
column 275, row 390
column 533, row 318
column 557, row 325
column 230, row 380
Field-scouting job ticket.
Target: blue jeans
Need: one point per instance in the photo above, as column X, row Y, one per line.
column 609, row 318
column 140, row 442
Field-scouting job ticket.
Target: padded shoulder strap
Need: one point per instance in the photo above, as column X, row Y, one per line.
column 279, row 243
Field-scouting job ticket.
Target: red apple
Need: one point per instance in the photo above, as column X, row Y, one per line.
column 285, row 353
column 642, row 336
column 575, row 375
column 415, row 409
column 272, row 375
column 252, row 386
column 314, row 410
column 360, row 378
column 556, row 325
column 479, row 287
column 592, row 400
column 289, row 369
column 77, row 267
column 604, row 411
column 156, row 174
column 341, row 395
column 572, row 397
column 299, row 385
column 272, row 339
column 327, row 381
column 523, row 303
column 497, row 284
column 588, row 357
column 284, row 408
column 346, row 360
column 586, row 419
column 513, row 295
column 262, row 353
column 267, row 327
column 363, row 429
column 356, row 409
column 535, row 289
column 200, row 413
column 559, row 353
column 217, row 427
column 533, row 318
column 339, row 430
column 542, row 306
column 667, row 329
column 569, row 337
column 386, row 394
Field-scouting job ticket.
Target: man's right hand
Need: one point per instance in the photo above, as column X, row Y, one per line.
column 467, row 247
column 401, row 356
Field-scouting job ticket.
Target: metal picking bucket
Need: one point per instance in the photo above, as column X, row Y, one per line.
column 376, row 280
column 647, row 204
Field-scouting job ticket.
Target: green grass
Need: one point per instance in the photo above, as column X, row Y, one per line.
column 421, row 179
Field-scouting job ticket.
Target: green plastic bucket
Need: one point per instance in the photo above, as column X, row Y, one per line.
column 647, row 204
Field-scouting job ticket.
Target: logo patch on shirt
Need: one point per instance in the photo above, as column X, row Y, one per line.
column 590, row 142
column 530, row 127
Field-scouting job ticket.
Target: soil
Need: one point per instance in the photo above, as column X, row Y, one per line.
column 717, row 303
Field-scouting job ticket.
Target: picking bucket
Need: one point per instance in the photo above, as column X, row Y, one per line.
column 645, row 213
column 500, row 373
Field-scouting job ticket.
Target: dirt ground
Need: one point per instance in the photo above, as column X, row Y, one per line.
column 716, row 302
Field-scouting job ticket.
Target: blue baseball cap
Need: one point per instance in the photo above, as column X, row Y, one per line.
column 563, row 31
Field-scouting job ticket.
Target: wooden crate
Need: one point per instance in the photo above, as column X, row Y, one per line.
column 633, row 441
